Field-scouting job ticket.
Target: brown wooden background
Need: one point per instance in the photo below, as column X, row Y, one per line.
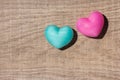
column 26, row 55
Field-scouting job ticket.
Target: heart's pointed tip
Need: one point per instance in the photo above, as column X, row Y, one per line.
column 92, row 36
column 95, row 36
column 59, row 47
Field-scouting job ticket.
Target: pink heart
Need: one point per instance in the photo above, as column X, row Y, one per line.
column 91, row 26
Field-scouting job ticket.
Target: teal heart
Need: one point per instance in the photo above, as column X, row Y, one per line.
column 58, row 37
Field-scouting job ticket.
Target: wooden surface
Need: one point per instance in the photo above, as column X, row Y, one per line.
column 26, row 55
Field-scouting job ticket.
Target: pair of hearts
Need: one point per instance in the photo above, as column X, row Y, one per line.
column 91, row 27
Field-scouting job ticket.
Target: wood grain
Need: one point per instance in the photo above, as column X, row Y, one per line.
column 26, row 55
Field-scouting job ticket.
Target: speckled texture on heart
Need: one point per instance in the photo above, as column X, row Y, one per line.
column 91, row 26
column 58, row 37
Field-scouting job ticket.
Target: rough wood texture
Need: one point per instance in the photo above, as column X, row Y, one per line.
column 26, row 55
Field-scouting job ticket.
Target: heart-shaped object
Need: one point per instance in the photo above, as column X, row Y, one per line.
column 58, row 37
column 91, row 26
